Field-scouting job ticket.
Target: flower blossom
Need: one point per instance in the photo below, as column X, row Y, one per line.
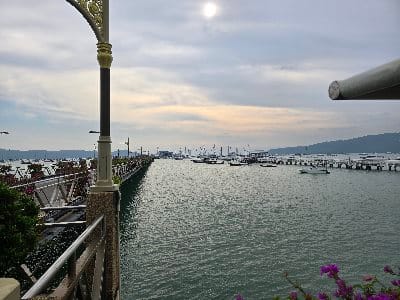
column 293, row 296
column 343, row 290
column 323, row 296
column 239, row 297
column 381, row 296
column 331, row 270
column 396, row 282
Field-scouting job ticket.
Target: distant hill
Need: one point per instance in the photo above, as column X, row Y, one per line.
column 380, row 143
column 43, row 154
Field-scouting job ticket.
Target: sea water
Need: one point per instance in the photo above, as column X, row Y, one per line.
column 198, row 231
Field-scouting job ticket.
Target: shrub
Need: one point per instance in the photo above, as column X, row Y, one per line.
column 18, row 218
column 117, row 180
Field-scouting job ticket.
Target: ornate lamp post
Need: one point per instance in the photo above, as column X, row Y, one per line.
column 104, row 196
column 96, row 13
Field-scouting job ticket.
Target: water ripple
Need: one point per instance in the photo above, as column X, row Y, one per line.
column 194, row 231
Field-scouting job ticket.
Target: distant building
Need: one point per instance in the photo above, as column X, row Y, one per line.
column 258, row 153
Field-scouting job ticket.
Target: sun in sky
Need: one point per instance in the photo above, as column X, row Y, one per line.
column 210, row 10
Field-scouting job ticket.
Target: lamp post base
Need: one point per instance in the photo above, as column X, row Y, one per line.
column 101, row 189
column 104, row 181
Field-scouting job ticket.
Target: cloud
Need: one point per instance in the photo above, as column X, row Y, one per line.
column 57, row 94
column 255, row 73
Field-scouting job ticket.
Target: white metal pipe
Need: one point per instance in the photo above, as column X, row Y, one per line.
column 382, row 82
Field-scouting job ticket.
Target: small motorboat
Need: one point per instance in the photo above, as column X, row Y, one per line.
column 268, row 165
column 314, row 170
column 198, row 160
column 236, row 163
column 213, row 161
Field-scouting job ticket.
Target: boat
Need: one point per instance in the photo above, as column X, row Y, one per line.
column 226, row 158
column 268, row 165
column 213, row 161
column 314, row 170
column 198, row 160
column 235, row 163
column 25, row 162
column 393, row 161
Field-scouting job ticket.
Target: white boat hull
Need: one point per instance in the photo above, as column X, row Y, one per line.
column 313, row 170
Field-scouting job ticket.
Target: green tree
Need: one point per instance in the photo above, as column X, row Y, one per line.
column 18, row 219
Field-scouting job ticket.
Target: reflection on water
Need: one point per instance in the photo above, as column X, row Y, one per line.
column 195, row 231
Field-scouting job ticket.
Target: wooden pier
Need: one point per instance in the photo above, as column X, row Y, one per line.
column 350, row 163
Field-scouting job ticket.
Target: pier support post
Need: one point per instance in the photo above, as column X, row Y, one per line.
column 107, row 204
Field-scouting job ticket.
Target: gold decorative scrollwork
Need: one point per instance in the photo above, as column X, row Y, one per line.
column 92, row 10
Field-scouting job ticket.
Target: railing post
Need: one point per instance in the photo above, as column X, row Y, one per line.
column 72, row 267
column 107, row 204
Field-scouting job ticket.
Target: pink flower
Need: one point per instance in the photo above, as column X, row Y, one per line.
column 239, row 297
column 323, row 296
column 396, row 282
column 331, row 270
column 293, row 296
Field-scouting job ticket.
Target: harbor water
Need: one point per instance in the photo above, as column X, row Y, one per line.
column 198, row 231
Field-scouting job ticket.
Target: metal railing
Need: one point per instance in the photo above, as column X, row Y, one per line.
column 67, row 178
column 56, row 190
column 73, row 285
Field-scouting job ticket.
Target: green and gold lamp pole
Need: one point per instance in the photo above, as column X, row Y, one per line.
column 96, row 13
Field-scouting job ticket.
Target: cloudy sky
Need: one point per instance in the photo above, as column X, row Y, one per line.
column 256, row 73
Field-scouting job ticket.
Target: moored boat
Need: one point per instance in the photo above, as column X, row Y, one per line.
column 198, row 160
column 314, row 170
column 235, row 163
column 268, row 165
column 213, row 161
